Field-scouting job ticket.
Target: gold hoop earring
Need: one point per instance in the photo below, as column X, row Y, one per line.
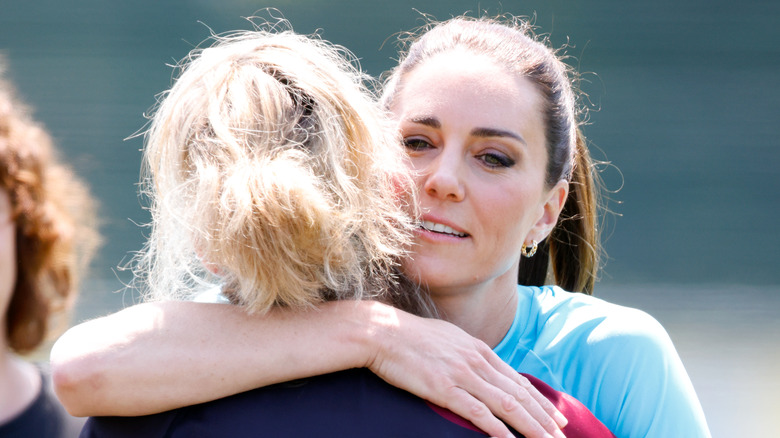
column 529, row 252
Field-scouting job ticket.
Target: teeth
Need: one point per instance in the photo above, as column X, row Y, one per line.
column 441, row 228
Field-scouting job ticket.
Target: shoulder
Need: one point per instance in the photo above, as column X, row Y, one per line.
column 593, row 321
column 598, row 332
column 620, row 362
column 553, row 327
column 353, row 402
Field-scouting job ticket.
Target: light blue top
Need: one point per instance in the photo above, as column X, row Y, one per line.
column 618, row 361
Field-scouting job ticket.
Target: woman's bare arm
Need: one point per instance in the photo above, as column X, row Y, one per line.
column 159, row 356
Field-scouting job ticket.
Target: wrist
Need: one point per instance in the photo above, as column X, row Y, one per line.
column 369, row 327
column 382, row 326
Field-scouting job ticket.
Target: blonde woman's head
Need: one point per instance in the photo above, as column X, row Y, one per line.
column 272, row 172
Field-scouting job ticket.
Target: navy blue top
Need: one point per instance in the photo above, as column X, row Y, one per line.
column 44, row 418
column 352, row 403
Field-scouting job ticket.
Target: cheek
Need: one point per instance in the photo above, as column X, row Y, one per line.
column 409, row 268
column 418, row 163
column 403, row 189
column 510, row 214
column 7, row 265
column 400, row 185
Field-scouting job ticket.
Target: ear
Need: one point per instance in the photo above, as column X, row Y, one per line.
column 551, row 209
column 211, row 267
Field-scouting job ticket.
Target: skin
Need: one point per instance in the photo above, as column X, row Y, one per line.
column 19, row 381
column 7, row 254
column 458, row 131
column 479, row 150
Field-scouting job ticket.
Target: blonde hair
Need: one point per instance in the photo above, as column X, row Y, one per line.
column 272, row 171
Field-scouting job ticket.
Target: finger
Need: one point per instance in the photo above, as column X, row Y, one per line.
column 518, row 379
column 464, row 404
column 515, row 400
column 543, row 401
column 521, row 406
column 520, row 410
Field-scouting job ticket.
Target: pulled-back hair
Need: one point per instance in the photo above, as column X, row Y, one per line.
column 273, row 172
column 54, row 218
column 573, row 246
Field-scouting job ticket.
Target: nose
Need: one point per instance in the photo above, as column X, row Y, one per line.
column 443, row 177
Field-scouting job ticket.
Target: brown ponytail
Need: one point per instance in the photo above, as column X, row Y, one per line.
column 573, row 246
column 574, row 242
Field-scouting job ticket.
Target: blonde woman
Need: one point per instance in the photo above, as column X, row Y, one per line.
column 275, row 179
column 507, row 202
column 272, row 176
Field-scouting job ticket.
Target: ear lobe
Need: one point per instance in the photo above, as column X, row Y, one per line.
column 211, row 267
column 556, row 198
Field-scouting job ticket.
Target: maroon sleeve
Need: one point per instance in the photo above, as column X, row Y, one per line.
column 582, row 422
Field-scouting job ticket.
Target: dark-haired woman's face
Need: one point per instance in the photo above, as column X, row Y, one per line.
column 7, row 254
column 475, row 133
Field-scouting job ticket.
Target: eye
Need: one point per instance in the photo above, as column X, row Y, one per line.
column 496, row 160
column 416, row 144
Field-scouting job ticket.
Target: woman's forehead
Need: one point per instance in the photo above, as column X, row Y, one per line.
column 472, row 88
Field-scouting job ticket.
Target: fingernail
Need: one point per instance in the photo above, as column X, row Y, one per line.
column 560, row 420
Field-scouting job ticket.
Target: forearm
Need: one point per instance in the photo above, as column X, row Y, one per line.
column 159, row 356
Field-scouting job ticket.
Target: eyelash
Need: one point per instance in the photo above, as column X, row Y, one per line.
column 499, row 160
column 490, row 159
column 416, row 144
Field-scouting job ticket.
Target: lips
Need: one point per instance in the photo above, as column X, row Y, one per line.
column 441, row 229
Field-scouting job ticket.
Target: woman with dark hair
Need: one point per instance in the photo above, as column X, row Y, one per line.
column 506, row 199
column 275, row 179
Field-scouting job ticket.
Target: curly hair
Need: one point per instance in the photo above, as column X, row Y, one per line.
column 273, row 172
column 54, row 218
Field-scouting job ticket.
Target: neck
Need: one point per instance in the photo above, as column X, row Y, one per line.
column 19, row 384
column 485, row 312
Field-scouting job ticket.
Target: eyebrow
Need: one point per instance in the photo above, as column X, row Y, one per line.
column 427, row 121
column 492, row 132
column 476, row 132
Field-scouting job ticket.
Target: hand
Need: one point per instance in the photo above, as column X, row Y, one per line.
column 443, row 364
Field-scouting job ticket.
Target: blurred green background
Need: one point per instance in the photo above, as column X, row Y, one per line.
column 684, row 102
